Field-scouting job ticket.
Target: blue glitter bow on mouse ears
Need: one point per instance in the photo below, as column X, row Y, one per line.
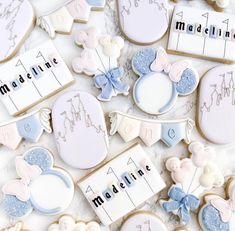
column 182, row 202
column 110, row 83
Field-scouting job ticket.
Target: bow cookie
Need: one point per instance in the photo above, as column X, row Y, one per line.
column 174, row 71
column 111, row 84
column 181, row 202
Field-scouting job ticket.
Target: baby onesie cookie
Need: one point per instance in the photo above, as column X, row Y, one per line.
column 99, row 59
column 17, row 227
column 79, row 129
column 62, row 18
column 32, row 77
column 28, row 127
column 205, row 30
column 191, row 176
column 171, row 132
column 219, row 5
column 127, row 180
column 68, row 223
column 217, row 214
column 136, row 20
column 41, row 186
column 16, row 21
column 160, row 83
column 143, row 221
column 216, row 105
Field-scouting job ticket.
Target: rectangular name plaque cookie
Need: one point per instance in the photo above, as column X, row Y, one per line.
column 121, row 185
column 202, row 33
column 32, row 77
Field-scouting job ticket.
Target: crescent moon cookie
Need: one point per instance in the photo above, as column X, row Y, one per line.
column 216, row 105
column 79, row 129
column 160, row 83
column 136, row 20
column 143, row 220
column 16, row 21
column 219, row 5
column 192, row 176
column 40, row 187
column 68, row 223
column 217, row 213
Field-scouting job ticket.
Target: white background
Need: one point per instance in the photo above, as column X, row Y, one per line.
column 186, row 107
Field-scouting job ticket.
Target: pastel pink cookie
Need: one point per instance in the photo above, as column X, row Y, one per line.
column 143, row 221
column 216, row 107
column 80, row 130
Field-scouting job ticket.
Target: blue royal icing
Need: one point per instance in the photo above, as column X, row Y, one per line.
column 211, row 220
column 98, row 3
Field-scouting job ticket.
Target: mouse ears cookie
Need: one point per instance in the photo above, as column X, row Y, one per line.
column 16, row 22
column 99, row 59
column 62, row 18
column 160, row 82
column 219, row 212
column 69, row 223
column 143, row 22
column 192, row 176
column 40, row 186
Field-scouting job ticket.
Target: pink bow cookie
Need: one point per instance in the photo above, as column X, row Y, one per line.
column 175, row 70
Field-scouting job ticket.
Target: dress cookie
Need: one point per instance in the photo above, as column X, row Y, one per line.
column 79, row 127
column 127, row 180
column 136, row 20
column 219, row 5
column 192, row 176
column 216, row 105
column 41, row 186
column 99, row 59
column 218, row 214
column 32, row 77
column 16, row 21
column 159, row 84
column 68, row 223
column 143, row 221
column 171, row 132
column 28, row 127
column 17, row 227
column 204, row 29
column 61, row 19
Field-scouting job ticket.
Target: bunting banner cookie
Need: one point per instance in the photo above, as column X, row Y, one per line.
column 128, row 180
column 171, row 132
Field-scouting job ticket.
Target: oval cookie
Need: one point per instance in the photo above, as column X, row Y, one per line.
column 80, row 130
column 216, row 105
column 16, row 21
column 143, row 22
column 142, row 221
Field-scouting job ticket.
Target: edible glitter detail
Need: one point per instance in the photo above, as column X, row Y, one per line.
column 40, row 157
column 15, row 207
column 187, row 83
column 142, row 60
column 212, row 221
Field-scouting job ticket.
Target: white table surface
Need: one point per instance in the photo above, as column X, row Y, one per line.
column 186, row 107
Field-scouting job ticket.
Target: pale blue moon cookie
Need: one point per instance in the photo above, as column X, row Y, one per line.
column 160, row 83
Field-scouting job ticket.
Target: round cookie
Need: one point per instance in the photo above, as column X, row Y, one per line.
column 143, row 221
column 216, row 105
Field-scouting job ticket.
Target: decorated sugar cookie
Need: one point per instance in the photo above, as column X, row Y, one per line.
column 80, row 130
column 99, row 59
column 17, row 227
column 61, row 19
column 68, row 223
column 218, row 214
column 16, row 21
column 29, row 127
column 171, row 132
column 160, row 83
column 219, row 5
column 136, row 19
column 41, row 186
column 216, row 105
column 191, row 176
column 143, row 221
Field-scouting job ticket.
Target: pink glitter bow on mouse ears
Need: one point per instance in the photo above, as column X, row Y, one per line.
column 19, row 188
column 174, row 71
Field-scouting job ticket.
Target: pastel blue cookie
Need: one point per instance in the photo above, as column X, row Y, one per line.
column 96, row 3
